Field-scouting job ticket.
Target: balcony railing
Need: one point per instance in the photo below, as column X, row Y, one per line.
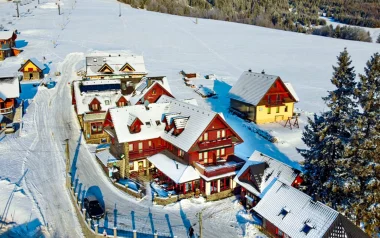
column 203, row 145
column 6, row 110
column 206, row 171
column 145, row 152
column 275, row 103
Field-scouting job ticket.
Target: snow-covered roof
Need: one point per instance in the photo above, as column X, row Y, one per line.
column 265, row 170
column 143, row 88
column 204, row 91
column 5, row 35
column 176, row 171
column 9, row 87
column 94, row 62
column 251, row 87
column 107, row 98
column 198, row 120
column 166, row 99
column 123, row 117
column 289, row 86
column 37, row 63
column 299, row 209
column 106, row 157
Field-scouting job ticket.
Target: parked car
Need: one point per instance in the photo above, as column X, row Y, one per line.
column 93, row 207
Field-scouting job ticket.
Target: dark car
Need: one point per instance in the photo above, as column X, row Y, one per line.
column 93, row 207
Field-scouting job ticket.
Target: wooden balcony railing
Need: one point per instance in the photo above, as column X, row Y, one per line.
column 6, row 110
column 203, row 145
column 218, row 171
column 275, row 103
column 145, row 152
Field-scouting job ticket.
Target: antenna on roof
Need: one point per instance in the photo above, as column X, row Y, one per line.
column 263, row 72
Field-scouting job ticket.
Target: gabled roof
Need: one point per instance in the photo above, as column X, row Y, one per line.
column 166, row 99
column 107, row 97
column 142, row 89
column 95, row 61
column 301, row 210
column 9, row 87
column 5, row 35
column 252, row 87
column 105, row 65
column 290, row 88
column 264, row 170
column 127, row 65
column 34, row 61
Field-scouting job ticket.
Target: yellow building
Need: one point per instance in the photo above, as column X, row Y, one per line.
column 32, row 69
column 263, row 98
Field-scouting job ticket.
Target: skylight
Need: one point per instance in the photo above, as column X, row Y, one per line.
column 284, row 211
column 147, row 124
column 307, row 228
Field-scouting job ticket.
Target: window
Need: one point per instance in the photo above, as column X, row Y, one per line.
column 306, row 228
column 181, row 153
column 286, row 108
column 130, row 147
column 131, row 166
column 30, row 69
column 268, row 112
column 95, row 107
column 217, row 153
column 154, row 91
column 205, row 157
column 158, row 123
column 121, row 104
column 223, row 133
column 107, row 102
column 200, row 157
column 217, row 134
column 140, row 147
column 150, row 143
column 96, row 128
column 200, row 138
column 277, row 109
column 223, row 151
column 205, row 136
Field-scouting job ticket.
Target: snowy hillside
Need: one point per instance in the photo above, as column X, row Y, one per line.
column 169, row 44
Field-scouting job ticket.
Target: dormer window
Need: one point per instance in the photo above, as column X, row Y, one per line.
column 307, row 228
column 284, row 211
column 95, row 107
column 121, row 104
column 205, row 136
column 223, row 133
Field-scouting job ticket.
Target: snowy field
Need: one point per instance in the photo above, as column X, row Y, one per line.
column 32, row 165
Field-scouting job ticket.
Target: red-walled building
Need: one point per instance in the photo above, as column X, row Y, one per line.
column 188, row 147
column 9, row 92
column 259, row 173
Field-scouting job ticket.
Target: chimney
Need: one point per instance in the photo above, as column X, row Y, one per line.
column 263, row 72
column 110, row 55
column 250, row 70
column 176, row 165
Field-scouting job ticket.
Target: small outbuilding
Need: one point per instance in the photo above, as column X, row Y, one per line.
column 32, row 69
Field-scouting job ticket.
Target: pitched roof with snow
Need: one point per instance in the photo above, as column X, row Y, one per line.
column 143, row 88
column 107, row 98
column 264, row 171
column 9, row 87
column 296, row 214
column 5, row 35
column 191, row 118
column 115, row 62
column 175, row 170
column 289, row 86
column 166, row 99
column 37, row 63
column 252, row 87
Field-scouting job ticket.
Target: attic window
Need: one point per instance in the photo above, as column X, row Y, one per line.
column 147, row 124
column 284, row 211
column 307, row 228
column 158, row 123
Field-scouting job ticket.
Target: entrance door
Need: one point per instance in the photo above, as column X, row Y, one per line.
column 141, row 165
column 30, row 76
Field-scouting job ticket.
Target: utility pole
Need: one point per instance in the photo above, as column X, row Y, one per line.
column 59, row 7
column 17, row 2
column 119, row 9
column 200, row 224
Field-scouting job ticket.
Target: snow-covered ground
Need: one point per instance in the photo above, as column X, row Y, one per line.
column 169, row 44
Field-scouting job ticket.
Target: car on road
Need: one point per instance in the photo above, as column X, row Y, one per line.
column 93, row 207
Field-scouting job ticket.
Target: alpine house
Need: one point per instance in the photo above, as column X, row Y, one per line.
column 190, row 148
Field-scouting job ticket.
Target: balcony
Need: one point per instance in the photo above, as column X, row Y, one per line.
column 233, row 164
column 204, row 145
column 275, row 103
column 6, row 110
column 133, row 155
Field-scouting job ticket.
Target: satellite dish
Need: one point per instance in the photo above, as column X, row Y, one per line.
column 146, row 103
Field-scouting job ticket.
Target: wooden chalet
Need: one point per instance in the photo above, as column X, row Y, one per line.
column 162, row 139
column 7, row 45
column 263, row 98
column 32, row 69
column 288, row 212
column 129, row 69
column 9, row 92
column 259, row 173
column 93, row 98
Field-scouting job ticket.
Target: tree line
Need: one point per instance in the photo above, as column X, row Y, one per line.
column 295, row 15
column 342, row 161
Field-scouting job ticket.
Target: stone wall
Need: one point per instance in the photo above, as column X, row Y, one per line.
column 221, row 195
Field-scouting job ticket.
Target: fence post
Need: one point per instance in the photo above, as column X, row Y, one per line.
column 155, row 234
column 89, row 222
column 80, row 205
column 72, row 189
column 84, row 213
column 68, row 180
column 76, row 197
column 115, row 232
column 134, row 234
column 96, row 228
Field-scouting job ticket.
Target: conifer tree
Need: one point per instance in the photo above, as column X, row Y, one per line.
column 327, row 135
column 378, row 39
column 360, row 168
